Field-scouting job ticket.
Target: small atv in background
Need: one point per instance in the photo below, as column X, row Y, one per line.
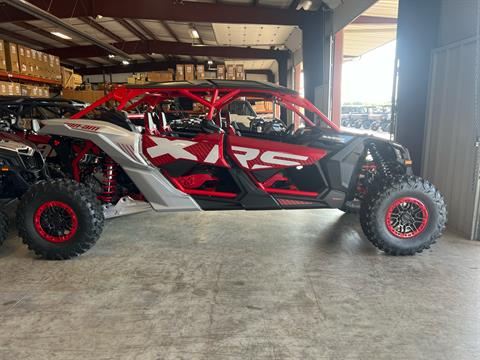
column 57, row 219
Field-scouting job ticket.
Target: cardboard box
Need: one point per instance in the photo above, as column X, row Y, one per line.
column 70, row 80
column 22, row 59
column 221, row 72
column 189, row 72
column 11, row 54
column 160, row 76
column 88, row 96
column 239, row 72
column 200, row 72
column 8, row 88
column 180, row 72
column 3, row 62
column 230, row 72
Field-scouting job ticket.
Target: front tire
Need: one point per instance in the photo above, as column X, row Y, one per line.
column 403, row 215
column 59, row 219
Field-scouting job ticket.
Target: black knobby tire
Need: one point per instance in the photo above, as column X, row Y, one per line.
column 384, row 194
column 81, row 204
column 3, row 227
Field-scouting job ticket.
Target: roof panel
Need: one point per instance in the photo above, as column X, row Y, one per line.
column 252, row 35
column 383, row 8
column 251, row 64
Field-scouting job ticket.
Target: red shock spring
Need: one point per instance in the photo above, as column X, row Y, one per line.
column 109, row 184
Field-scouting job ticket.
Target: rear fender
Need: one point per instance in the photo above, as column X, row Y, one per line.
column 123, row 146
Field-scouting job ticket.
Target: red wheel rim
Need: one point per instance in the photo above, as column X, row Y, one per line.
column 406, row 217
column 55, row 221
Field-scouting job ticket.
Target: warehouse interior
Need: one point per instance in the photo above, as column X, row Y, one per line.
column 302, row 284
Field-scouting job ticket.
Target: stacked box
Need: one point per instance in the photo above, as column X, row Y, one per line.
column 22, row 59
column 28, row 56
column 57, row 69
column 11, row 55
column 189, row 72
column 70, row 80
column 9, row 88
column 34, row 91
column 34, row 68
column 200, row 72
column 88, row 96
column 221, row 72
column 160, row 76
column 230, row 72
column 180, row 72
column 239, row 72
column 3, row 62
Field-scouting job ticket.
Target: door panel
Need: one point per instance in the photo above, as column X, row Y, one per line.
column 257, row 154
column 202, row 149
column 450, row 155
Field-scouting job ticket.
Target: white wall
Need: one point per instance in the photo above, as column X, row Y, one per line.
column 458, row 20
column 450, row 155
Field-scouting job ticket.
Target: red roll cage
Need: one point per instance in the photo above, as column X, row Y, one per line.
column 213, row 98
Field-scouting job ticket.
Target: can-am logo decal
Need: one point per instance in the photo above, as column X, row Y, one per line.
column 83, row 127
column 249, row 158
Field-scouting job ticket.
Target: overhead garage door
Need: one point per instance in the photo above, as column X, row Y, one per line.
column 451, row 148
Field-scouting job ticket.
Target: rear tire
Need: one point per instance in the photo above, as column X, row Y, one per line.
column 403, row 215
column 59, row 219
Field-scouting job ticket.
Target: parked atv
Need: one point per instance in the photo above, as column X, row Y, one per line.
column 212, row 165
column 57, row 219
column 354, row 116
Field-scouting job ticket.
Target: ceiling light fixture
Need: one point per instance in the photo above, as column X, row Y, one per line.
column 305, row 5
column 194, row 33
column 125, row 62
column 210, row 62
column 57, row 23
column 60, row 35
column 111, row 56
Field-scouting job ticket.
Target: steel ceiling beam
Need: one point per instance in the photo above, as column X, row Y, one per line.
column 375, row 20
column 41, row 14
column 44, row 33
column 129, row 27
column 170, row 47
column 161, row 10
column 24, row 40
column 100, row 28
column 134, row 67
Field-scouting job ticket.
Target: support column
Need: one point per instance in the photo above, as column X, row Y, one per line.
column 417, row 37
column 282, row 80
column 282, row 70
column 337, row 78
column 313, row 45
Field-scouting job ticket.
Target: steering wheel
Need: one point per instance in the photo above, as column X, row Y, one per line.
column 299, row 132
column 290, row 129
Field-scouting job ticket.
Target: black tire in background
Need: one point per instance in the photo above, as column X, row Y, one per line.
column 413, row 195
column 375, row 126
column 367, row 124
column 386, row 127
column 3, row 227
column 59, row 219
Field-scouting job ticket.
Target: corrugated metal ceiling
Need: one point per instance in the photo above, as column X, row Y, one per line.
column 358, row 38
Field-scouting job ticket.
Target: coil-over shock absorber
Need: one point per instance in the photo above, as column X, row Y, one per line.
column 383, row 167
column 109, row 183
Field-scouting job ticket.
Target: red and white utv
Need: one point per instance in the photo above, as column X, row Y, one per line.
column 174, row 147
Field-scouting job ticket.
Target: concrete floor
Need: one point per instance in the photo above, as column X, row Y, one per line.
column 238, row 285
